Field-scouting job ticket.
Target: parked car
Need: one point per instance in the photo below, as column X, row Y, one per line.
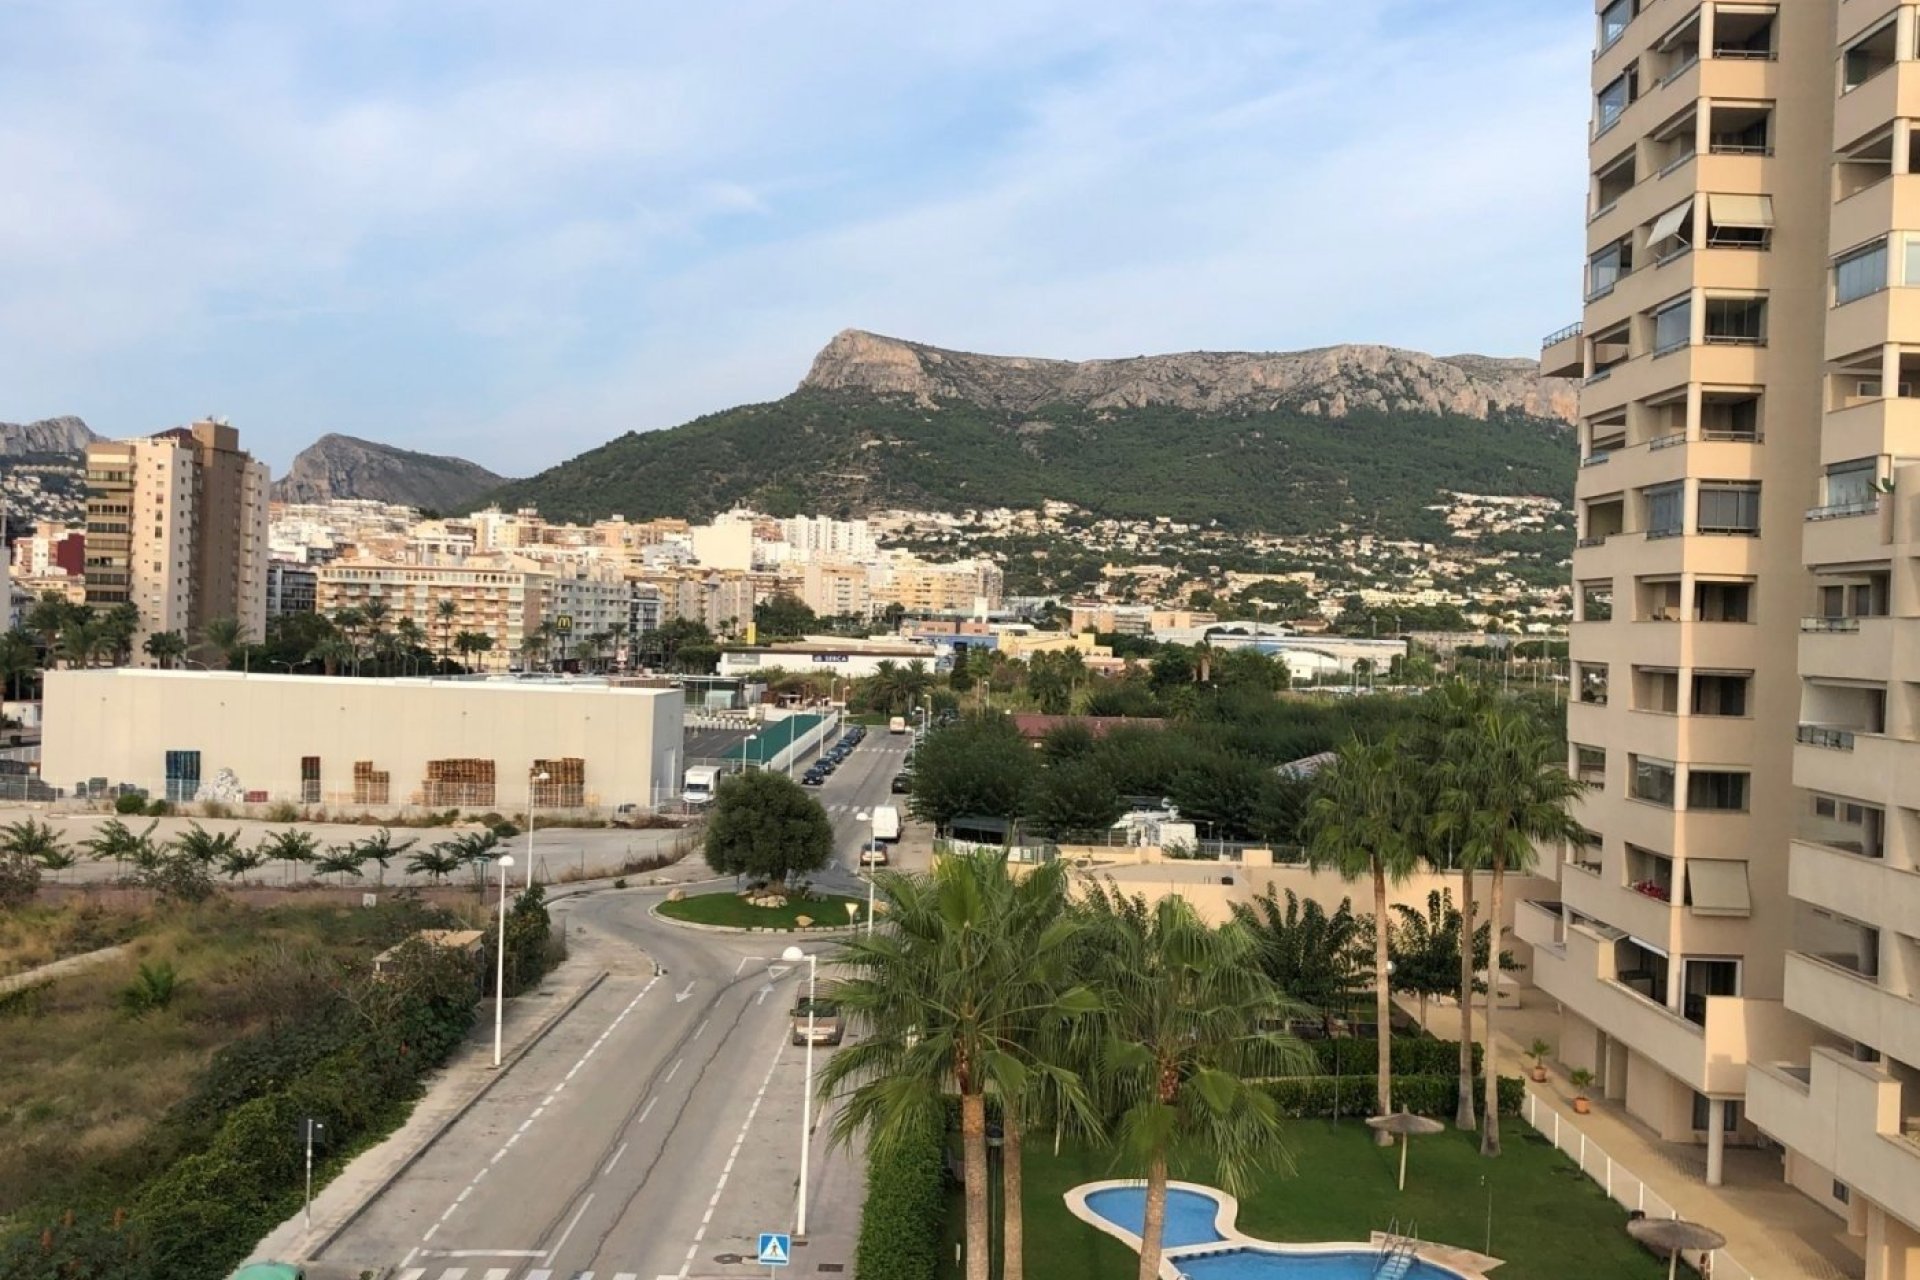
column 821, row 1015
column 874, row 855
column 812, row 778
column 902, row 783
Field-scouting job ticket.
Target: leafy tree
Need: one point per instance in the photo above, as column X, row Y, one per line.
column 37, row 842
column 436, row 862
column 1517, row 795
column 19, row 661
column 1220, row 790
column 165, row 648
column 782, row 616
column 766, row 826
column 205, row 847
column 1074, row 795
column 1426, row 950
column 341, row 860
column 978, row 767
column 1069, row 741
column 19, row 880
column 380, row 848
column 117, row 841
column 954, row 995
column 292, row 845
column 1357, row 823
column 1179, row 1052
column 238, row 860
column 697, row 660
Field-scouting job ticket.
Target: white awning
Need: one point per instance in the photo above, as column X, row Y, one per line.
column 1750, row 212
column 1667, row 225
column 1718, row 887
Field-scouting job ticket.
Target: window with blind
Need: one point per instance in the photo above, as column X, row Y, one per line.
column 1729, row 507
column 1860, row 273
column 1673, row 326
column 1666, row 510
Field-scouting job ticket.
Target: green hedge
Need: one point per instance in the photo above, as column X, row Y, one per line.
column 902, row 1222
column 1422, row 1095
column 1411, row 1056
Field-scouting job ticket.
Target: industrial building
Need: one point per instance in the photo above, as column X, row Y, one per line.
column 1736, row 947
column 340, row 743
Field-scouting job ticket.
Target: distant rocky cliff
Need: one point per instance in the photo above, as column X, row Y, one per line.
column 65, row 435
column 336, row 466
column 1330, row 381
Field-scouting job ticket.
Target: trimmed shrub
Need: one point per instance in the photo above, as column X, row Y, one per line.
column 1316, row 1096
column 1411, row 1057
column 130, row 802
column 905, row 1212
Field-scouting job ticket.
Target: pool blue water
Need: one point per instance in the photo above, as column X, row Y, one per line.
column 1190, row 1214
column 1255, row 1264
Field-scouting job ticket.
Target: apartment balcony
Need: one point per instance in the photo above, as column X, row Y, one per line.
column 1848, row 533
column 1847, row 648
column 1848, row 762
column 1604, row 897
column 1873, row 105
column 1539, row 924
column 1847, row 1117
column 1860, row 16
column 1868, row 427
column 1563, row 353
column 1710, row 1057
column 1853, row 1005
column 1853, row 884
column 1642, row 376
column 1887, row 205
column 1872, row 320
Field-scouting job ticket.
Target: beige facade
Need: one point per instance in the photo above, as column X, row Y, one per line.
column 836, row 589
column 346, row 743
column 963, row 586
column 496, row 596
column 177, row 527
column 1735, row 949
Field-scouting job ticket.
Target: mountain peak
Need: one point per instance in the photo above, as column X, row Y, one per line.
column 1327, row 381
column 341, row 466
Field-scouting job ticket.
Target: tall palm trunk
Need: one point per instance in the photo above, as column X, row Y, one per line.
column 1154, row 1223
column 1013, row 1226
column 1490, row 1131
column 1463, row 1117
column 1382, row 1003
column 973, row 1155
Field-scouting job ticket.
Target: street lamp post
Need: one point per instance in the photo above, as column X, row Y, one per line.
column 312, row 1125
column 864, row 816
column 752, row 737
column 500, row 962
column 532, row 782
column 794, row 955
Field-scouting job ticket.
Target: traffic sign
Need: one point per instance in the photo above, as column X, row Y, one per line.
column 776, row 1249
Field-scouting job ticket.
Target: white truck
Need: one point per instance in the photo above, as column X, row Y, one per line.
column 700, row 785
column 886, row 822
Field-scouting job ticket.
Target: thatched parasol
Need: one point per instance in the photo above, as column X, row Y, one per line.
column 1674, row 1236
column 1405, row 1125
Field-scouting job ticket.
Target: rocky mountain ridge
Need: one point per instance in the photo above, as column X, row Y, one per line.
column 339, row 466
column 65, row 434
column 1332, row 382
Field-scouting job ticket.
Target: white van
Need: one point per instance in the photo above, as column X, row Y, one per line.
column 897, row 725
column 886, row 822
column 700, row 784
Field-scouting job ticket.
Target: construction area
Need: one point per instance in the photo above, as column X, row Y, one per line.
column 374, row 744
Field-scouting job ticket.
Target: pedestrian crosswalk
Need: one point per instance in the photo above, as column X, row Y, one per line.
column 507, row 1273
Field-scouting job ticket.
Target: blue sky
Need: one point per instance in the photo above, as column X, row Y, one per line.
column 512, row 231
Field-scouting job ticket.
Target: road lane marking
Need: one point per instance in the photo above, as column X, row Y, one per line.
column 497, row 1273
column 699, row 1030
column 453, row 1273
column 625, row 1275
column 561, row 1243
column 673, row 1070
column 693, row 1250
column 539, row 1275
column 430, row 1230
column 681, row 997
column 413, row 1273
column 616, row 1160
column 645, row 1111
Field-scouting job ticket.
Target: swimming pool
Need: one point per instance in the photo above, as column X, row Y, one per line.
column 1200, row 1242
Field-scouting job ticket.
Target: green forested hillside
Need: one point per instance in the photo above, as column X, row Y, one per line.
column 845, row 452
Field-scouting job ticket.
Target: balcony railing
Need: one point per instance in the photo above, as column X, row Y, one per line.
column 1819, row 735
column 1573, row 330
column 1829, row 625
column 1653, row 889
column 1596, row 459
column 1598, row 540
column 1667, row 441
column 1843, row 510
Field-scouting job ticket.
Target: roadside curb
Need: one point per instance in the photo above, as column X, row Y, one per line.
column 440, row 1131
column 654, row 911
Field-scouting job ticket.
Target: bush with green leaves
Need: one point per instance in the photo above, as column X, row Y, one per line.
column 1429, row 1095
column 154, row 987
column 128, row 803
column 1356, row 1057
column 902, row 1220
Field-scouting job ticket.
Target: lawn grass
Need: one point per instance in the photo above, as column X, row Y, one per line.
column 83, row 1083
column 1549, row 1221
column 736, row 912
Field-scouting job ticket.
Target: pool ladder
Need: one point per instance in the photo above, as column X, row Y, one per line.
column 1397, row 1252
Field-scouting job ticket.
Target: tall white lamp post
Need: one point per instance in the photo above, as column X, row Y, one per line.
column 794, row 955
column 532, row 782
column 500, row 961
column 864, row 816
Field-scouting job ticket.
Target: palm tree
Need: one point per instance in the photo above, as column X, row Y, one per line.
column 118, row 623
column 410, row 637
column 1357, row 823
column 1517, row 794
column 1180, row 1047
column 436, row 862
column 165, row 647
column 1316, row 956
column 616, row 636
column 1440, row 744
column 381, row 849
column 444, row 611
column 468, row 643
column 947, row 998
column 19, row 660
column 79, row 640
column 226, row 636
column 332, row 652
column 474, row 849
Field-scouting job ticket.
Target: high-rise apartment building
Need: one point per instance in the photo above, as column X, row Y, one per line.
column 177, row 527
column 1736, row 949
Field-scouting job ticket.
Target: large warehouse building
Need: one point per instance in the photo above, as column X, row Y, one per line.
column 468, row 744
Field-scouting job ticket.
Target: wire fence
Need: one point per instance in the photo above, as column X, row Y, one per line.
column 1623, row 1185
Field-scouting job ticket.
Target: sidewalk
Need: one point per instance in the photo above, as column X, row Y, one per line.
column 1769, row 1226
column 452, row 1089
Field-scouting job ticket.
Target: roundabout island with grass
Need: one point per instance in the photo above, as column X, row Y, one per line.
column 765, row 908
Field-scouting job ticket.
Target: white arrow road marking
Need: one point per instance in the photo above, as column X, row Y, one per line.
column 683, row 995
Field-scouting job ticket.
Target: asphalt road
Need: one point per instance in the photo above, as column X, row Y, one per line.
column 656, row 1131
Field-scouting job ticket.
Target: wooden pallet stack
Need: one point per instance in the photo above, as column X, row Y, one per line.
column 566, row 784
column 371, row 785
column 462, row 783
